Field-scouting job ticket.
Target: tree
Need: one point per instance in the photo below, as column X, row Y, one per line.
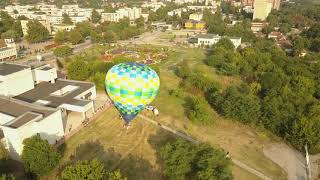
column 7, row 177
column 182, row 158
column 110, row 37
column 62, row 51
column 38, row 156
column 177, row 158
column 306, row 130
column 140, row 22
column 116, row 175
column 78, row 70
column 90, row 170
column 212, row 163
column 66, row 19
column 315, row 45
column 98, row 80
column 95, row 17
column 299, row 43
column 75, row 37
column 6, row 20
column 225, row 43
column 285, row 28
column 198, row 110
column 36, row 32
column 234, row 104
column 61, row 37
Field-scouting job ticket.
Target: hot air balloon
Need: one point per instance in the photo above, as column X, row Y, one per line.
column 131, row 86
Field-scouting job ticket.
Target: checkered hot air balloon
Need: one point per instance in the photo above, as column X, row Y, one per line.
column 131, row 86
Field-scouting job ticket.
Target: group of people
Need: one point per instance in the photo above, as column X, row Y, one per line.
column 127, row 123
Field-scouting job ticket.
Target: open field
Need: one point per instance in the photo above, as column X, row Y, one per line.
column 132, row 151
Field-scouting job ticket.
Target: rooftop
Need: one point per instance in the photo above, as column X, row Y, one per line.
column 207, row 36
column 22, row 111
column 58, row 93
column 6, row 68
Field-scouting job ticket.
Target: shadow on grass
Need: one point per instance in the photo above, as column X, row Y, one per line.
column 132, row 167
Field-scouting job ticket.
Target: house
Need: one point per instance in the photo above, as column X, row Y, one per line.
column 8, row 49
column 192, row 24
column 35, row 101
column 258, row 26
column 211, row 39
column 196, row 16
column 62, row 27
column 20, row 120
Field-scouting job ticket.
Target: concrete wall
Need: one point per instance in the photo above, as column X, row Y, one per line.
column 17, row 83
column 51, row 128
column 42, row 75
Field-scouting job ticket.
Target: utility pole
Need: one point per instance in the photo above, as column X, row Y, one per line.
column 308, row 163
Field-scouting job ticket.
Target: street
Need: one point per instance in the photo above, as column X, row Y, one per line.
column 49, row 57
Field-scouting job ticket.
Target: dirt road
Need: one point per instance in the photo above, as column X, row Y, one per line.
column 292, row 161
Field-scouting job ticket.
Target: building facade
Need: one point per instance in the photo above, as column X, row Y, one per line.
column 8, row 49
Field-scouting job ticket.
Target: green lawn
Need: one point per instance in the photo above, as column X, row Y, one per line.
column 132, row 151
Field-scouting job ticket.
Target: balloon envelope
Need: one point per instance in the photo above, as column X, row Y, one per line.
column 131, row 86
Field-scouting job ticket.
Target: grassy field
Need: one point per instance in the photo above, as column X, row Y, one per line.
column 133, row 151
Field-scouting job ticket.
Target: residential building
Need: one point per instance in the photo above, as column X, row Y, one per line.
column 262, row 8
column 196, row 16
column 24, row 26
column 213, row 8
column 131, row 13
column 8, row 49
column 258, row 26
column 61, row 27
column 275, row 3
column 177, row 12
column 15, row 79
column 192, row 24
column 50, row 13
column 38, row 102
column 154, row 6
column 20, row 120
column 211, row 39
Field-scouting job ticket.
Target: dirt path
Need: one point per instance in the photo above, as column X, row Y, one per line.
column 292, row 161
column 188, row 138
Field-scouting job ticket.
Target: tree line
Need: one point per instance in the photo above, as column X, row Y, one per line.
column 278, row 92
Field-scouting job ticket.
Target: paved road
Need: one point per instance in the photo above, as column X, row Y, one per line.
column 49, row 56
column 186, row 137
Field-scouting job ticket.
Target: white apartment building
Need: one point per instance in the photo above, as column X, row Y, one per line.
column 8, row 49
column 211, row 39
column 35, row 101
column 196, row 16
column 132, row 13
column 20, row 120
column 154, row 6
column 177, row 12
column 50, row 13
column 262, row 8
